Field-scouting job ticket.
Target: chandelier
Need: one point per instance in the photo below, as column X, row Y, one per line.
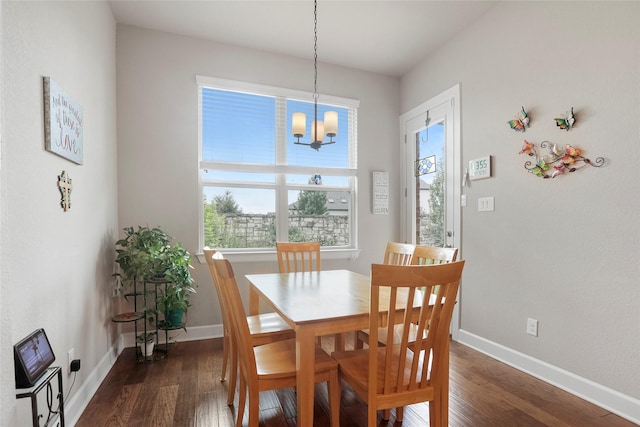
column 299, row 120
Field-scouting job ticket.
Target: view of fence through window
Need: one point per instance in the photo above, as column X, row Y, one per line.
column 257, row 186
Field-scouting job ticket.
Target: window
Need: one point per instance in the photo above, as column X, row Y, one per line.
column 257, row 186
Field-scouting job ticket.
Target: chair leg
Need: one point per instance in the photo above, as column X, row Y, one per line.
column 233, row 374
column 225, row 356
column 358, row 342
column 242, row 398
column 339, row 340
column 254, row 407
column 372, row 416
column 386, row 414
column 399, row 413
column 333, row 387
column 433, row 409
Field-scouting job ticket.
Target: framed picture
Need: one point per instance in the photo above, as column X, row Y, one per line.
column 62, row 123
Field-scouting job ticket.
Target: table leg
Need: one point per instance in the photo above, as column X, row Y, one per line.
column 254, row 301
column 305, row 367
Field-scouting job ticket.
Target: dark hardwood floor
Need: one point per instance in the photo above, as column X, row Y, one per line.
column 184, row 390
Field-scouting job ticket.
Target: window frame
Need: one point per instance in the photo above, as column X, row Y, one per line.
column 280, row 169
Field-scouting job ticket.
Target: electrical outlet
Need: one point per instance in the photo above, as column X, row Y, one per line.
column 70, row 357
column 532, row 327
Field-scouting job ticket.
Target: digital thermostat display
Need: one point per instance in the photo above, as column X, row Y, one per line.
column 480, row 168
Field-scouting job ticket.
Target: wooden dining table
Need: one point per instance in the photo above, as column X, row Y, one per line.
column 315, row 304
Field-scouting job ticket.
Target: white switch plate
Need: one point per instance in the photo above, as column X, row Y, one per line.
column 463, row 200
column 485, row 204
column 532, row 327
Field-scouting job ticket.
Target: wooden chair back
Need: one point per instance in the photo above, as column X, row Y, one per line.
column 298, row 256
column 228, row 350
column 428, row 255
column 210, row 255
column 407, row 373
column 237, row 315
column 398, row 253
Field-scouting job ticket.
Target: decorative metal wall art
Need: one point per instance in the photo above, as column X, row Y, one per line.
column 567, row 122
column 521, row 122
column 557, row 161
column 65, row 186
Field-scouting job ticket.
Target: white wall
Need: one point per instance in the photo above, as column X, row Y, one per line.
column 158, row 139
column 55, row 265
column 562, row 251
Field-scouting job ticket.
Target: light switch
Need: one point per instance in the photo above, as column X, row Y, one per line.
column 485, row 204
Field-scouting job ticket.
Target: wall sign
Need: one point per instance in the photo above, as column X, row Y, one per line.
column 380, row 193
column 480, row 168
column 62, row 123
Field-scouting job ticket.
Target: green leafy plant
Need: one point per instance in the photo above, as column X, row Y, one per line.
column 137, row 254
column 146, row 254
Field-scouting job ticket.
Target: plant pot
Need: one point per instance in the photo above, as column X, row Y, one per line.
column 174, row 317
column 146, row 348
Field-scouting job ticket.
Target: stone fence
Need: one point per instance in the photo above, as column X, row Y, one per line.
column 256, row 231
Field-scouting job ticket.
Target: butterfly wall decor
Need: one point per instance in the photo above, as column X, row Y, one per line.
column 566, row 123
column 568, row 160
column 520, row 123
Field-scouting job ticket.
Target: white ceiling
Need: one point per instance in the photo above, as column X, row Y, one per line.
column 387, row 37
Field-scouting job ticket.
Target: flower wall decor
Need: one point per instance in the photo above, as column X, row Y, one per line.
column 557, row 161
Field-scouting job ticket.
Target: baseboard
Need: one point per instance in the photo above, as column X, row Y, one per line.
column 193, row 333
column 620, row 404
column 73, row 408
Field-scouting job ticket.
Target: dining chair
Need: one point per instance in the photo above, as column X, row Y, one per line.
column 263, row 328
column 397, row 253
column 298, row 256
column 428, row 255
column 397, row 375
column 269, row 366
column 422, row 255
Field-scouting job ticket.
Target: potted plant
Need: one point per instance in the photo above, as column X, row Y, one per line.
column 174, row 302
column 146, row 341
column 147, row 255
column 137, row 254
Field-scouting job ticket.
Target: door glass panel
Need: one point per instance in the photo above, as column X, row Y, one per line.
column 430, row 178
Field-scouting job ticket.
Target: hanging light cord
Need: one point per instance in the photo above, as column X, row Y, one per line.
column 315, row 71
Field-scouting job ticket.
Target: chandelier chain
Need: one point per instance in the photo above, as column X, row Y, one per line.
column 314, row 133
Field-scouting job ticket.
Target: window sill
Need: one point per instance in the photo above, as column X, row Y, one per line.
column 265, row 256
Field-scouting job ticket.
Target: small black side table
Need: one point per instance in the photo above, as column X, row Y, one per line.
column 32, row 392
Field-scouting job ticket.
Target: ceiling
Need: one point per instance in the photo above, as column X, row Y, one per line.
column 386, row 37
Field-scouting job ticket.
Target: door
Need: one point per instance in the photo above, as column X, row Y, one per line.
column 432, row 177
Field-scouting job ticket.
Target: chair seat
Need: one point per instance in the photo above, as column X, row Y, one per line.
column 278, row 360
column 354, row 366
column 268, row 327
column 363, row 335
